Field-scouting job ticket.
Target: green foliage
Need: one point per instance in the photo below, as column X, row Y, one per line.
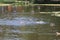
column 22, row 3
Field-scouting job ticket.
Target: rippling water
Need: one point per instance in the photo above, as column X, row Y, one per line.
column 20, row 21
column 27, row 27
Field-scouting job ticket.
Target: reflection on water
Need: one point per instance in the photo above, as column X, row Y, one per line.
column 21, row 21
column 20, row 26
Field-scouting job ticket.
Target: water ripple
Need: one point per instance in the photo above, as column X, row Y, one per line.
column 20, row 21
